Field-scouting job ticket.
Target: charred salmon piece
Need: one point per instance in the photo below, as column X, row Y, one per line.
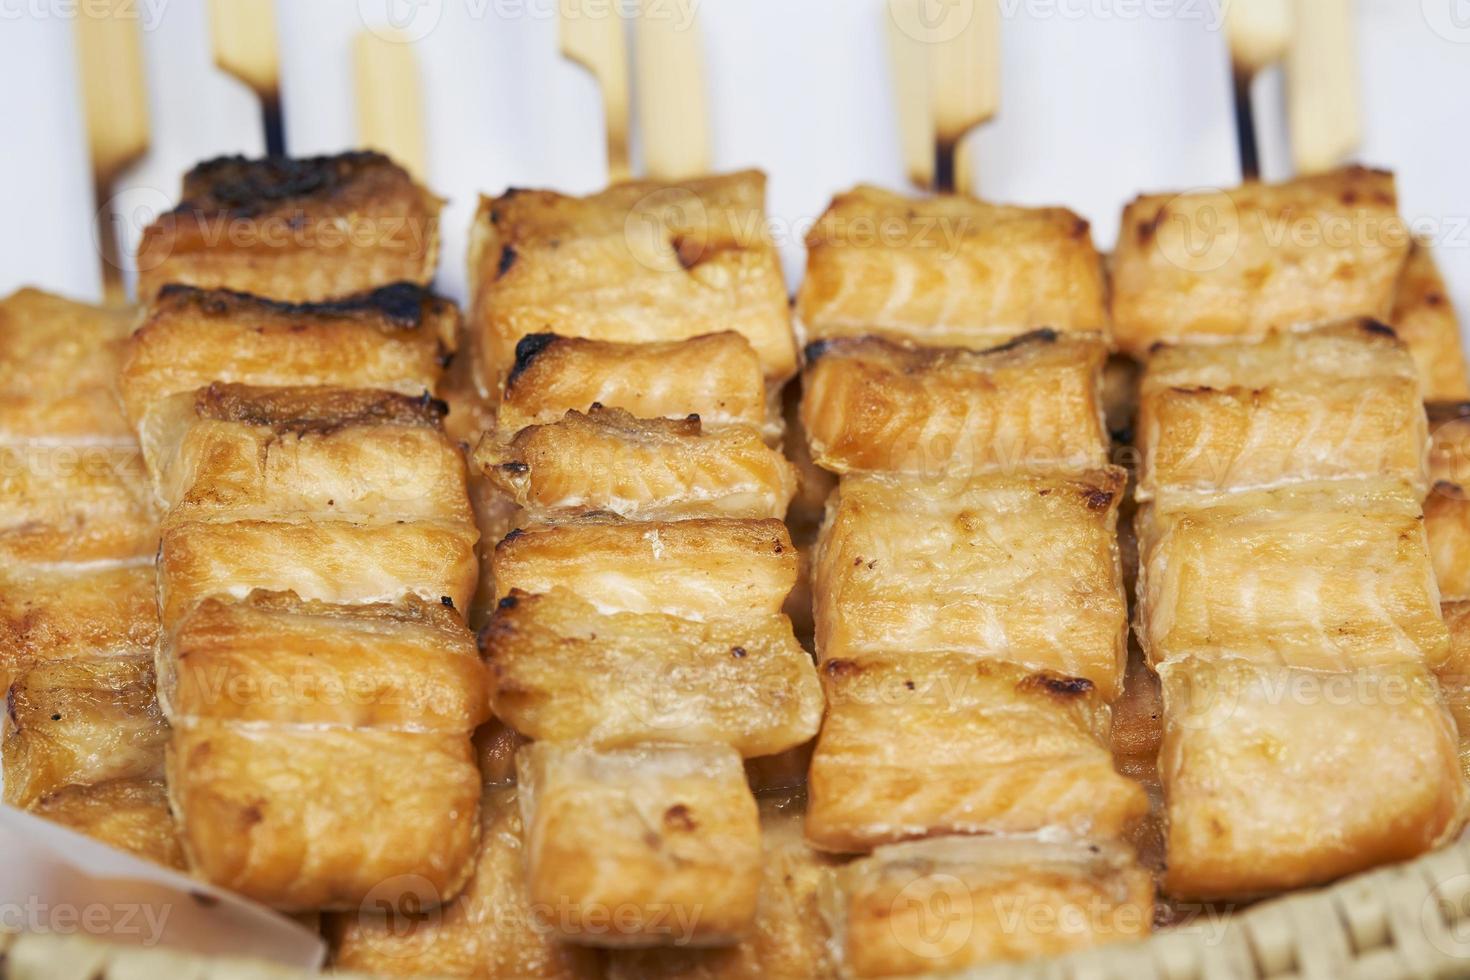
column 948, row 271
column 639, row 262
column 1277, row 778
column 396, row 338
column 941, row 905
column 871, row 405
column 644, row 469
column 295, row 229
column 1303, row 577
column 565, row 672
column 1024, row 569
column 1337, row 403
column 716, row 376
column 920, row 744
column 1217, row 265
column 668, row 834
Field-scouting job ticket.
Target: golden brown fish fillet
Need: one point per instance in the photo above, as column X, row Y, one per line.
column 641, row 261
column 1447, row 507
column 1279, row 778
column 791, row 937
column 58, row 369
column 1424, row 318
column 330, row 561
column 695, row 569
column 715, row 376
column 490, row 930
column 1017, row 568
column 919, row 744
column 81, row 723
column 647, row 846
column 1320, row 579
column 234, row 451
column 276, row 660
column 1339, row 403
column 643, row 469
column 74, row 503
column 1454, row 675
column 948, row 271
column 942, row 905
column 568, row 673
column 304, row 818
column 129, row 814
column 1217, row 265
column 870, row 405
column 299, row 229
column 395, row 338
column 76, row 611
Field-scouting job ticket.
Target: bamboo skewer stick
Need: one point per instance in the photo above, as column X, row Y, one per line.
column 600, row 45
column 947, row 74
column 1321, row 68
column 673, row 110
column 115, row 106
column 1258, row 32
column 390, row 100
column 243, row 33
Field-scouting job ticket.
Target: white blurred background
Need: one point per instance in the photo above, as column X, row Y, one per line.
column 1102, row 99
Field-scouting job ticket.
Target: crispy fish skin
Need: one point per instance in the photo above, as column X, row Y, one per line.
column 74, row 503
column 1211, row 266
column 1277, row 778
column 301, row 229
column 642, row 469
column 1302, row 577
column 696, row 569
column 58, row 369
column 919, row 744
column 489, row 930
column 565, row 672
column 231, row 450
column 641, row 261
column 302, row 818
column 1337, row 403
column 716, row 376
column 642, row 846
column 948, row 271
column 1424, row 317
column 272, row 658
column 870, row 405
column 394, row 338
column 131, row 815
column 329, row 561
column 942, row 905
column 1023, row 568
column 80, row 723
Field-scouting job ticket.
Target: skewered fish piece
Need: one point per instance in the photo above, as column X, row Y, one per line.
column 1277, row 778
column 654, row 469
column 641, row 261
column 941, row 905
column 1211, row 266
column 948, row 271
column 491, row 929
column 1447, row 507
column 870, row 405
column 652, row 845
column 918, row 744
column 300, row 230
column 395, row 338
column 1332, row 404
column 1424, row 318
column 1303, row 577
column 695, row 569
column 131, row 815
column 568, row 673
column 715, row 376
column 1017, row 568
